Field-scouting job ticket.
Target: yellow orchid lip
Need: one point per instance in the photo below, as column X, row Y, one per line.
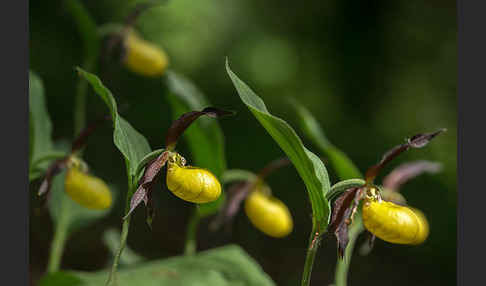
column 268, row 214
column 192, row 184
column 395, row 223
column 143, row 57
column 89, row 191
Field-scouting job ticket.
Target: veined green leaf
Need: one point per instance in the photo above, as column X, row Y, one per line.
column 40, row 126
column 225, row 266
column 344, row 167
column 204, row 138
column 309, row 166
column 129, row 141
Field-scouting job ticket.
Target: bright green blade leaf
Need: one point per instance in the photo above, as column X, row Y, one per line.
column 204, row 137
column 309, row 166
column 60, row 278
column 225, row 266
column 129, row 141
column 344, row 167
column 40, row 126
column 111, row 238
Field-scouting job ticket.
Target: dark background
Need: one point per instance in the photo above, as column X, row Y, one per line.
column 373, row 73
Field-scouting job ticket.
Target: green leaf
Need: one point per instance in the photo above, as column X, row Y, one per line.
column 66, row 213
column 40, row 126
column 344, row 167
column 224, row 266
column 111, row 238
column 60, row 278
column 129, row 141
column 308, row 165
column 204, row 138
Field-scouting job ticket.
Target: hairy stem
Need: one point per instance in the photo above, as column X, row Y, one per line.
column 191, row 240
column 342, row 266
column 314, row 241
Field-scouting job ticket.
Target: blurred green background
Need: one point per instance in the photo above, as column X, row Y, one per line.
column 373, row 73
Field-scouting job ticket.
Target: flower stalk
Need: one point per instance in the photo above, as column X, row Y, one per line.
column 112, row 277
column 342, row 266
column 314, row 242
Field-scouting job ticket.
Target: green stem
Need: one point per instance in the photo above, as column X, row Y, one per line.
column 314, row 241
column 191, row 241
column 58, row 243
column 112, row 277
column 91, row 44
column 342, row 266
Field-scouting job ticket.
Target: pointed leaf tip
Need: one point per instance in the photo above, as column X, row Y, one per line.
column 308, row 165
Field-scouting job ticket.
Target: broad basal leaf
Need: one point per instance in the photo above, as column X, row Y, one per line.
column 309, row 166
column 225, row 266
column 60, row 278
